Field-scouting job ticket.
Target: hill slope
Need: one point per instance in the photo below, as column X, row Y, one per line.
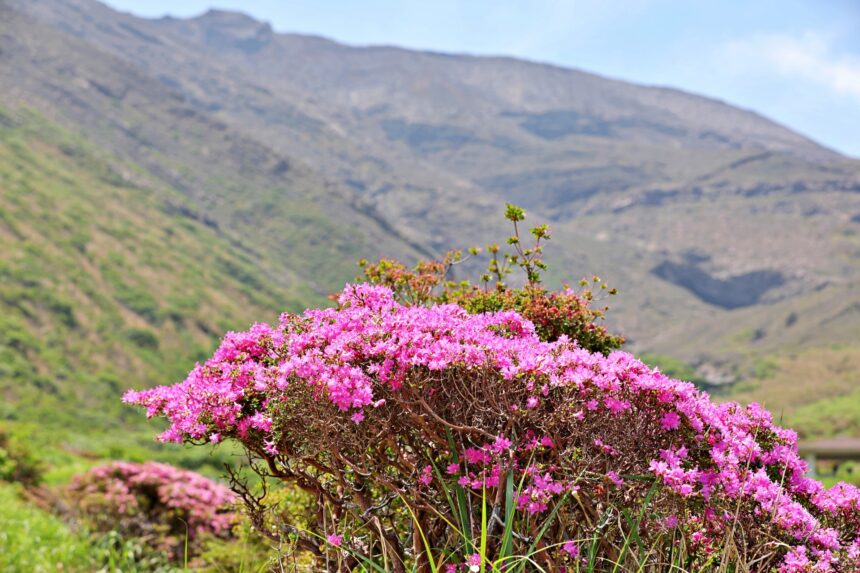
column 104, row 287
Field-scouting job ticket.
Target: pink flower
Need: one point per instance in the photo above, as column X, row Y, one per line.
column 616, row 406
column 670, row 522
column 270, row 447
column 571, row 548
column 475, row 456
column 670, row 421
column 500, row 445
column 334, row 539
column 426, row 476
column 204, row 504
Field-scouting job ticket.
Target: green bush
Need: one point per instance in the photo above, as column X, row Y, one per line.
column 142, row 338
column 17, row 462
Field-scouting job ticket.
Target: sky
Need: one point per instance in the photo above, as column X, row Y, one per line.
column 797, row 62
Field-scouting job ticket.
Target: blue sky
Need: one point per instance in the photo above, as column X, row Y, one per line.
column 797, row 62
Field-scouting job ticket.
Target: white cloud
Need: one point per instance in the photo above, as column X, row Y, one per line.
column 810, row 57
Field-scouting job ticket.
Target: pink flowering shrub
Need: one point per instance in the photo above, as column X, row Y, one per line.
column 155, row 503
column 411, row 426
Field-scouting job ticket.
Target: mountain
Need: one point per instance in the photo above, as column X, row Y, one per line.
column 735, row 241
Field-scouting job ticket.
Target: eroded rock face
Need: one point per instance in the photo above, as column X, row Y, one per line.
column 560, row 123
column 733, row 292
column 224, row 30
column 425, row 137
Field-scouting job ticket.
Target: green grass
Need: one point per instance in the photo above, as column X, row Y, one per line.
column 32, row 541
column 629, row 549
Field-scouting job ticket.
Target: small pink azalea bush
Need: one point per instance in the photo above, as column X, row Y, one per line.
column 156, row 503
column 405, row 422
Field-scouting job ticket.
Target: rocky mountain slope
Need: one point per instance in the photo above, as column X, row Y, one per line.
column 732, row 238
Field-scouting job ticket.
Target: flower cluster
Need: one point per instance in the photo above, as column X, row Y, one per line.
column 153, row 501
column 323, row 349
column 374, row 398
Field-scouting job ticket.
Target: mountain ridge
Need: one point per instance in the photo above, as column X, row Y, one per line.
column 244, row 17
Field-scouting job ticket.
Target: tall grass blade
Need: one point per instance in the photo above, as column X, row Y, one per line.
column 507, row 547
column 463, row 506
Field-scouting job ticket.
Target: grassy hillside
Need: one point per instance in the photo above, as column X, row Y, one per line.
column 135, row 229
column 104, row 284
column 113, row 280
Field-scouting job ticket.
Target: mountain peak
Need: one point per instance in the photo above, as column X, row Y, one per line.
column 233, row 29
column 226, row 17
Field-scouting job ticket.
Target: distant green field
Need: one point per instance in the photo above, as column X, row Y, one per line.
column 815, row 391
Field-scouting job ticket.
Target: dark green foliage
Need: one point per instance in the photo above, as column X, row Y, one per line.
column 142, row 338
